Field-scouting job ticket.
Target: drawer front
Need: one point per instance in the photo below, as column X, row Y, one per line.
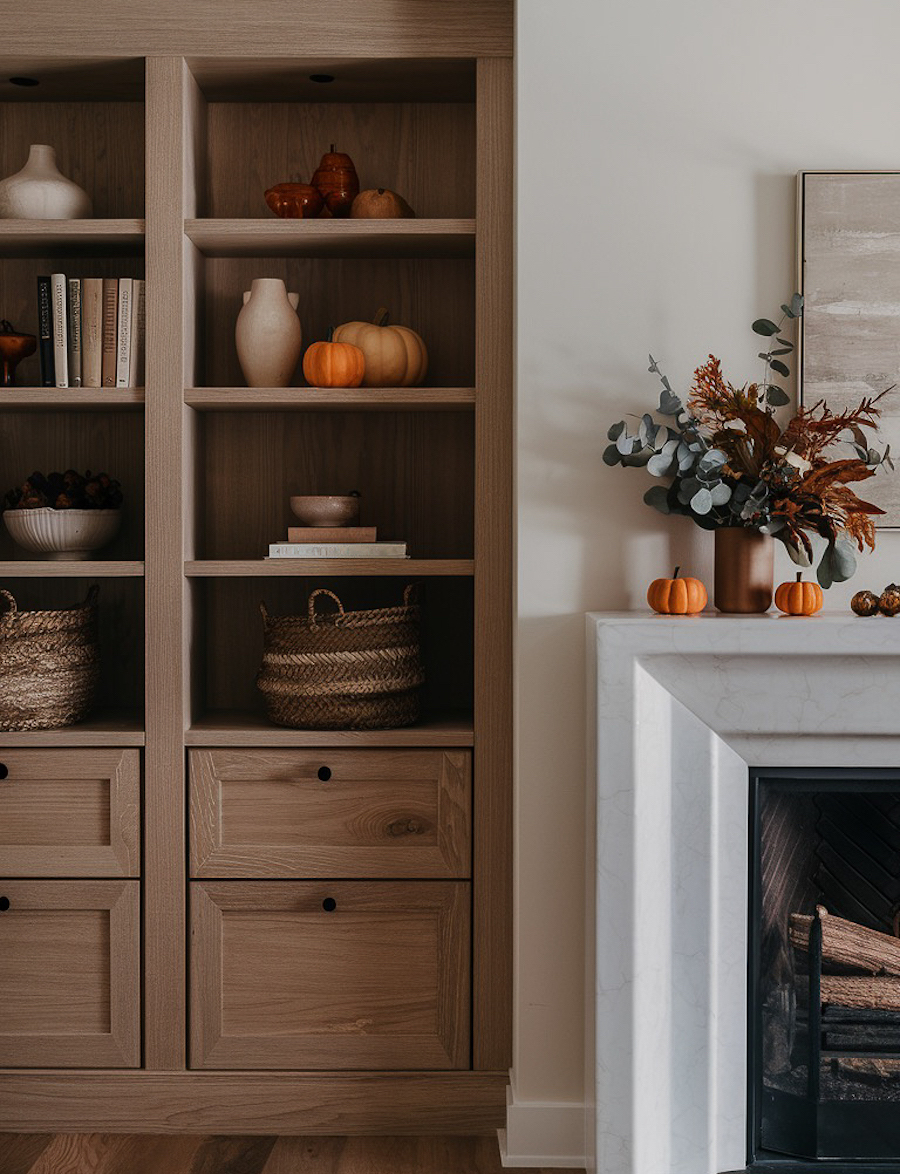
column 330, row 975
column 69, row 974
column 69, row 813
column 348, row 813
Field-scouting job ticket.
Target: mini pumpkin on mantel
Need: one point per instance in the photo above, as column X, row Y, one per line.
column 395, row 355
column 796, row 598
column 677, row 597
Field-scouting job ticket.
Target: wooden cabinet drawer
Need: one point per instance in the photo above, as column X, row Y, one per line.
column 69, row 813
column 330, row 975
column 69, row 974
column 348, row 813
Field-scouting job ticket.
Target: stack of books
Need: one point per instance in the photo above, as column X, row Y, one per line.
column 335, row 542
column 91, row 331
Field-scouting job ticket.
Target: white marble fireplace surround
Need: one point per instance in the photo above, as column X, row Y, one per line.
column 684, row 705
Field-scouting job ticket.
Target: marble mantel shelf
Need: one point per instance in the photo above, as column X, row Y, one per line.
column 679, row 709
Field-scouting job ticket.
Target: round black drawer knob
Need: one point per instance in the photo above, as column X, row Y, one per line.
column 324, row 773
column 4, row 904
column 4, row 771
column 329, row 904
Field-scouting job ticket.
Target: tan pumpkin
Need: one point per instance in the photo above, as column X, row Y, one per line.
column 395, row 355
column 333, row 364
column 677, row 597
column 798, row 598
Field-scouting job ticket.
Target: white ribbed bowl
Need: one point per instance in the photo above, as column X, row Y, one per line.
column 62, row 534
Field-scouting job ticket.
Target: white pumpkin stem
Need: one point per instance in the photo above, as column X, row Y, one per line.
column 330, row 335
column 381, row 316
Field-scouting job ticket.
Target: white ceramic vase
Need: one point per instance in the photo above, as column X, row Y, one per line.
column 41, row 192
column 268, row 334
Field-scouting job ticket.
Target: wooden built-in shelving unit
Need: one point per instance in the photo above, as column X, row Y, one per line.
column 176, row 149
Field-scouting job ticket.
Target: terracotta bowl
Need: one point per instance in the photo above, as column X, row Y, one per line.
column 325, row 511
column 295, row 201
column 62, row 534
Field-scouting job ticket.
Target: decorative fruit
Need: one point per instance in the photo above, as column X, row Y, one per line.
column 395, row 355
column 677, row 597
column 336, row 179
column 295, row 201
column 865, row 603
column 889, row 603
column 380, row 204
column 334, row 364
column 13, row 348
column 799, row 598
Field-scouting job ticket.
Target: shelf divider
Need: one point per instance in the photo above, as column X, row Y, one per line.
column 321, row 399
column 305, row 567
column 65, row 569
column 74, row 398
column 332, row 238
column 30, row 238
column 252, row 728
column 107, row 728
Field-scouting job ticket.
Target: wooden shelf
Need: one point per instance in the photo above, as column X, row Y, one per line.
column 40, row 238
column 333, row 238
column 299, row 567
column 99, row 399
column 94, row 569
column 322, row 399
column 101, row 729
column 238, row 728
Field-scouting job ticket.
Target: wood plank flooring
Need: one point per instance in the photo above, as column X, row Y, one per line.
column 102, row 1153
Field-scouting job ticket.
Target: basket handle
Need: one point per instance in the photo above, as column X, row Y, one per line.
column 91, row 598
column 10, row 599
column 409, row 592
column 312, row 602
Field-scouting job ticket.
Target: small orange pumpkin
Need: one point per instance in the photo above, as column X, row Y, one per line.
column 334, row 364
column 799, row 598
column 677, row 597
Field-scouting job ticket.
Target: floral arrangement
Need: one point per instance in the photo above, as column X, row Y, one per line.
column 732, row 464
column 66, row 491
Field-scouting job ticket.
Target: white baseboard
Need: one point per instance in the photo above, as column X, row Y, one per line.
column 542, row 1133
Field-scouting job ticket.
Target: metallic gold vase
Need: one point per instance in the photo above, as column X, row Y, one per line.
column 744, row 570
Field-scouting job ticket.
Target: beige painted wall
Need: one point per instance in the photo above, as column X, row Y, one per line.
column 658, row 144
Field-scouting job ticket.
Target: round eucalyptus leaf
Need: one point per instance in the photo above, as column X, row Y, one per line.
column 702, row 502
column 721, row 493
column 781, row 368
column 611, row 455
column 616, row 431
column 764, row 326
column 660, row 464
column 658, row 497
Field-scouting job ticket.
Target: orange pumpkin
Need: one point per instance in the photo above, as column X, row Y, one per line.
column 799, row 598
column 677, row 597
column 334, row 364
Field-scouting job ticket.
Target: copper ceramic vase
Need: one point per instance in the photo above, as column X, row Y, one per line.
column 744, row 570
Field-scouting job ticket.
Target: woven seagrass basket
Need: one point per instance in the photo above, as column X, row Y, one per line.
column 49, row 665
column 352, row 670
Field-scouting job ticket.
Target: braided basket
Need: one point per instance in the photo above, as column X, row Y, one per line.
column 49, row 665
column 351, row 670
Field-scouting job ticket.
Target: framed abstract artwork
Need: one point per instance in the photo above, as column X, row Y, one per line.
column 850, row 281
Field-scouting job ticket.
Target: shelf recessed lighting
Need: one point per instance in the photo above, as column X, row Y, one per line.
column 24, row 81
column 322, row 78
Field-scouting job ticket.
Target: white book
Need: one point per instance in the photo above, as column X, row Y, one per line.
column 337, row 550
column 123, row 333
column 91, row 331
column 75, row 378
column 59, row 300
column 137, row 333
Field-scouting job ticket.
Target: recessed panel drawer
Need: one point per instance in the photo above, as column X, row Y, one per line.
column 70, row 974
column 69, row 813
column 339, row 813
column 330, row 975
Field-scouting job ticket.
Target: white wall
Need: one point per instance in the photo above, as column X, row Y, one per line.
column 658, row 144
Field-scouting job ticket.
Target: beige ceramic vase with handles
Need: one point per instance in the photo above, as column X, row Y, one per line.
column 41, row 192
column 268, row 334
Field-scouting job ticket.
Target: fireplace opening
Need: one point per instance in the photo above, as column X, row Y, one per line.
column 824, row 1014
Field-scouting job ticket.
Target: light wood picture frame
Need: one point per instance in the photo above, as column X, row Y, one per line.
column 849, row 229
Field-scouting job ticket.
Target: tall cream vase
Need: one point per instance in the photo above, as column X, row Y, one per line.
column 41, row 192
column 268, row 334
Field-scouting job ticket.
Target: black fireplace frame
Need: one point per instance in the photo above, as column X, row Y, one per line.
column 760, row 1161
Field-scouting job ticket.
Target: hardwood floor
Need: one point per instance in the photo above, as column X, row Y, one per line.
column 103, row 1153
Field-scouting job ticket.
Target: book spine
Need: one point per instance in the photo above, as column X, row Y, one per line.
column 59, row 292
column 91, row 331
column 337, row 550
column 110, row 318
column 343, row 534
column 123, row 334
column 137, row 334
column 45, row 332
column 75, row 331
